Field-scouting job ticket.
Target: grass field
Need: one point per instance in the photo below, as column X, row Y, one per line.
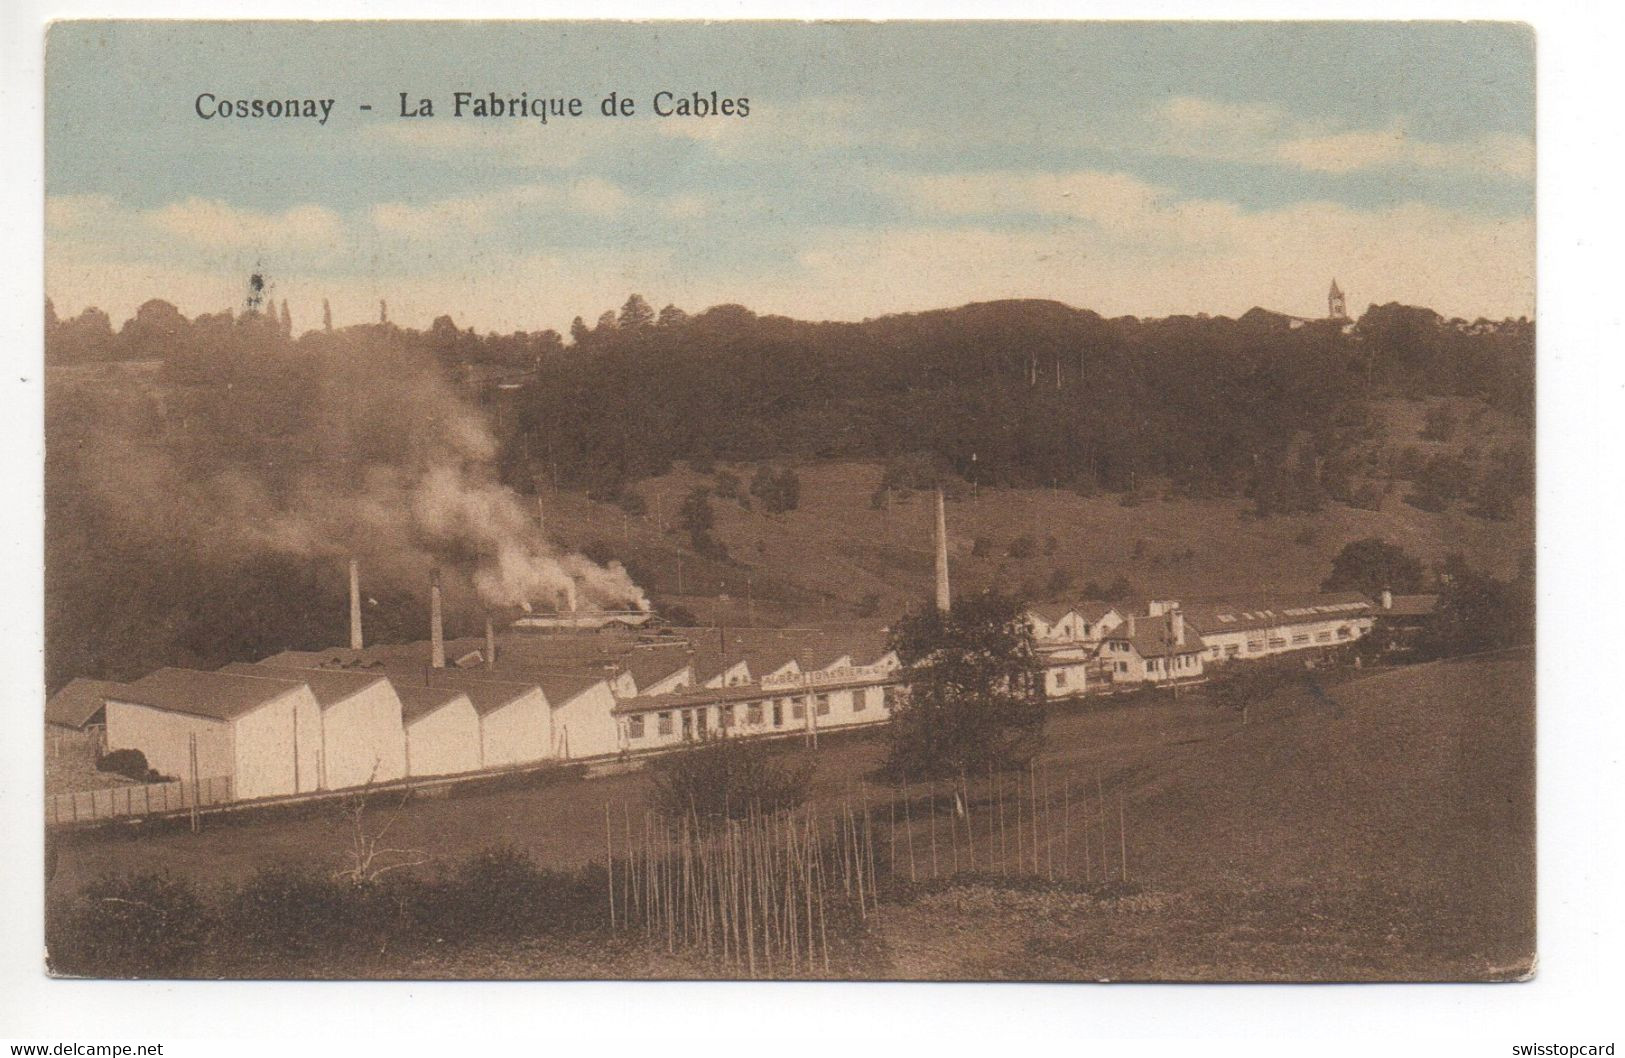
column 1379, row 828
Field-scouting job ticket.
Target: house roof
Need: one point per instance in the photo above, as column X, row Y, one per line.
column 649, row 667
column 1235, row 615
column 1410, row 606
column 330, row 686
column 217, row 695
column 418, row 701
column 1051, row 612
column 488, row 695
column 562, row 687
column 1093, row 611
column 78, row 703
column 1153, row 637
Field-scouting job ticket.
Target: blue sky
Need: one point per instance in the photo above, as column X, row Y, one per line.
column 1129, row 168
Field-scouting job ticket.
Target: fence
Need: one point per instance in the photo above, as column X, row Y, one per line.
column 83, row 806
column 762, row 894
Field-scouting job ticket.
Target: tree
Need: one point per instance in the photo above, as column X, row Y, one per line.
column 636, row 314
column 327, row 316
column 974, row 695
column 578, row 330
column 671, row 316
column 1479, row 612
column 719, row 778
column 779, row 490
column 1372, row 564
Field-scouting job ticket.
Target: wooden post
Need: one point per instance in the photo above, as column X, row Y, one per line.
column 192, row 748
column 1122, row 835
column 609, row 865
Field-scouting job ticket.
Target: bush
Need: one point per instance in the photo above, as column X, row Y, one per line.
column 130, row 763
column 292, row 911
column 142, row 925
column 1022, row 547
column 721, row 778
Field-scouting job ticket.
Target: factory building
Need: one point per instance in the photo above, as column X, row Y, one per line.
column 262, row 733
column 362, row 736
column 1263, row 627
column 442, row 730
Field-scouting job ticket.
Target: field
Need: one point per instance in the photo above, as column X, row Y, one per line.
column 1377, row 828
column 838, row 556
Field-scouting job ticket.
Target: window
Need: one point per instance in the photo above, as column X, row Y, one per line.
column 1122, row 666
column 823, row 705
column 1276, row 642
column 1254, row 646
column 663, row 723
column 1343, row 633
column 725, row 715
column 778, row 712
column 1300, row 639
column 700, row 716
column 798, row 708
column 688, row 723
column 860, row 699
column 1323, row 637
column 1060, row 679
column 1232, row 650
column 634, row 727
column 753, row 713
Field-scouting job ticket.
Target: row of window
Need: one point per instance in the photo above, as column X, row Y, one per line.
column 1256, row 646
column 756, row 714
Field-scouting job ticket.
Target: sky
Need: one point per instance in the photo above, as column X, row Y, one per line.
column 1129, row 168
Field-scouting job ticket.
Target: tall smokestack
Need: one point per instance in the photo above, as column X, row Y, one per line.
column 355, row 605
column 437, row 629
column 943, row 596
column 490, row 644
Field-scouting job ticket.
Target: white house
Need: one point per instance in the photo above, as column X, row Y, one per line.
column 263, row 733
column 363, row 739
column 442, row 730
column 1153, row 649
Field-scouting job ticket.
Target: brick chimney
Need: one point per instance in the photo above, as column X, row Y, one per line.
column 1131, row 626
column 437, row 629
column 1176, row 626
column 355, row 605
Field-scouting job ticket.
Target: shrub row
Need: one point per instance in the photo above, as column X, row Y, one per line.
column 158, row 925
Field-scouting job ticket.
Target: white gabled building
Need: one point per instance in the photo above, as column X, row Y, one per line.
column 442, row 730
column 583, row 715
column 363, row 739
column 515, row 719
column 262, row 733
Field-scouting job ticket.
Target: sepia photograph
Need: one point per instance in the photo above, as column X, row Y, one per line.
column 857, row 501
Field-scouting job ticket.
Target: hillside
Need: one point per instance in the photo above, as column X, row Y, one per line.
column 838, row 556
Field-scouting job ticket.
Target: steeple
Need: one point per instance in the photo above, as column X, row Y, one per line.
column 1336, row 306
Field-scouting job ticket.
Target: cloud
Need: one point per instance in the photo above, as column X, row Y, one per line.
column 1196, row 127
column 1390, row 148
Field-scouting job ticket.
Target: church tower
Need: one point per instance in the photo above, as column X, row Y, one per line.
column 1336, row 307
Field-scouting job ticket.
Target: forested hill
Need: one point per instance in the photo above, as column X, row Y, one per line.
column 1009, row 392
column 206, row 479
